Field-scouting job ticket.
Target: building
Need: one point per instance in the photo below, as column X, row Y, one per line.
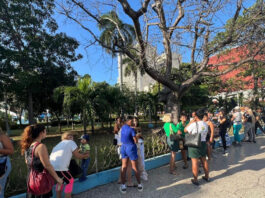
column 145, row 82
column 245, row 89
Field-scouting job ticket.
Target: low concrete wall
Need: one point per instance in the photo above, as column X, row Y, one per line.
column 108, row 176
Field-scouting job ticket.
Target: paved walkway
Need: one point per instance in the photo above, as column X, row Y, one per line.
column 241, row 174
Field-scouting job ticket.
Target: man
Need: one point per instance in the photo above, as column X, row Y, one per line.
column 129, row 152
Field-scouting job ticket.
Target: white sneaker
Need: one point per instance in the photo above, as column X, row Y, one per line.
column 140, row 187
column 123, row 189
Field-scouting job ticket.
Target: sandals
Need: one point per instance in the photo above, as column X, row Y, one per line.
column 195, row 182
column 173, row 172
column 205, row 178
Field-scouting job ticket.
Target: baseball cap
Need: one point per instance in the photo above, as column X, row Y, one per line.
column 85, row 136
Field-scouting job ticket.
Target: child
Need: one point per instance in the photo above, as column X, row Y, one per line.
column 140, row 149
column 140, row 152
column 84, row 149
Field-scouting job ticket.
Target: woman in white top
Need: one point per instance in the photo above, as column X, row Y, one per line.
column 198, row 126
column 60, row 158
column 237, row 123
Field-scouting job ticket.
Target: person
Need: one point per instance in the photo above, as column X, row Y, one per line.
column 237, row 124
column 140, row 149
column 170, row 128
column 129, row 153
column 222, row 129
column 84, row 149
column 248, row 129
column 117, row 136
column 180, row 128
column 32, row 140
column 60, row 158
column 258, row 119
column 210, row 135
column 198, row 126
column 6, row 149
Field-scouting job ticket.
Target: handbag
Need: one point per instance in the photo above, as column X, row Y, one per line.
column 3, row 167
column 173, row 136
column 193, row 140
column 39, row 183
column 74, row 169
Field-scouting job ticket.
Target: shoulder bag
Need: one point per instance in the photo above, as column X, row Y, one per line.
column 173, row 136
column 39, row 183
column 193, row 140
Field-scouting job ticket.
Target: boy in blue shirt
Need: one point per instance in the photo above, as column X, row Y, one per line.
column 84, row 149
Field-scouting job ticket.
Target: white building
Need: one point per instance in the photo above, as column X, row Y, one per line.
column 145, row 82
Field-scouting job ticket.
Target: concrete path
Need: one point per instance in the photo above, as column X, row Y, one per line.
column 241, row 174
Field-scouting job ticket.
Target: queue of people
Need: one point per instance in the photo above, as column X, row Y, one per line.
column 130, row 148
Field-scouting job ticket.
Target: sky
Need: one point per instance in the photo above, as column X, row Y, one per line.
column 96, row 62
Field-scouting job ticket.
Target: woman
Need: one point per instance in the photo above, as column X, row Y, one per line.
column 173, row 145
column 180, row 127
column 210, row 134
column 198, row 126
column 31, row 136
column 6, row 149
column 237, row 124
column 222, row 127
column 60, row 158
column 117, row 132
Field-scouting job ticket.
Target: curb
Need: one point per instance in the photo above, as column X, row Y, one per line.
column 111, row 175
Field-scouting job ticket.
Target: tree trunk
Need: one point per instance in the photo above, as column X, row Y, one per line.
column 30, row 107
column 6, row 117
column 84, row 121
column 73, row 126
column 67, row 120
column 255, row 88
column 173, row 107
column 92, row 125
column 135, row 94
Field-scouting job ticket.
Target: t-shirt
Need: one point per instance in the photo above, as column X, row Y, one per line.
column 238, row 118
column 167, row 128
column 61, row 155
column 181, row 128
column 199, row 127
column 127, row 134
column 118, row 137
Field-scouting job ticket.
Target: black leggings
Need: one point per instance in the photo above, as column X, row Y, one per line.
column 222, row 134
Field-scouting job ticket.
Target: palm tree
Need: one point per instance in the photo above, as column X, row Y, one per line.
column 115, row 33
column 132, row 68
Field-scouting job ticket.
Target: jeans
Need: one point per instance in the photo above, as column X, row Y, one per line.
column 222, row 134
column 249, row 132
column 84, row 167
column 236, row 129
column 4, row 177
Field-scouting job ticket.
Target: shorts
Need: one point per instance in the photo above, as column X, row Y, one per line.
column 173, row 145
column 198, row 152
column 208, row 137
column 129, row 151
column 65, row 176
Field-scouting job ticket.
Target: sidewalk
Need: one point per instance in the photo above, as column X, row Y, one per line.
column 241, row 174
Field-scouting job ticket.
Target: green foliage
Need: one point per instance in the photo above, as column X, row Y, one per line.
column 115, row 32
column 35, row 58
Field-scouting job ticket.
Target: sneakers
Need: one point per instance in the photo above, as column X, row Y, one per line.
column 225, row 153
column 140, row 187
column 123, row 189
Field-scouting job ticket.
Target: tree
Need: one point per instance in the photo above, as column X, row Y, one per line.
column 186, row 25
column 30, row 49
